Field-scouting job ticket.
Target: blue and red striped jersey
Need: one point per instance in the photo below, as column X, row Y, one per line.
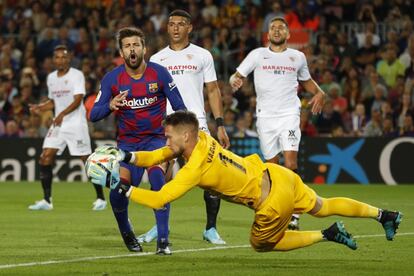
column 144, row 109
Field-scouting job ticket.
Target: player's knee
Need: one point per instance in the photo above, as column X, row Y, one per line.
column 261, row 246
column 317, row 208
column 45, row 159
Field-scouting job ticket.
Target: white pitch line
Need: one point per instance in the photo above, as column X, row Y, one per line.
column 93, row 258
column 118, row 256
column 382, row 235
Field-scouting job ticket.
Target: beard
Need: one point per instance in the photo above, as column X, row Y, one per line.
column 62, row 67
column 177, row 152
column 134, row 64
column 277, row 43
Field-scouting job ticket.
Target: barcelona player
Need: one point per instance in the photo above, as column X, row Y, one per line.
column 273, row 192
column 137, row 92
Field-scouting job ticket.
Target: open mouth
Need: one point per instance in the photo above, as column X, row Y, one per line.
column 133, row 57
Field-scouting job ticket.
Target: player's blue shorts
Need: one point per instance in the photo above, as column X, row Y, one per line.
column 152, row 143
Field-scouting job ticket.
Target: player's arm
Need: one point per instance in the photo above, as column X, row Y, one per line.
column 43, row 106
column 104, row 103
column 244, row 69
column 311, row 86
column 77, row 100
column 318, row 98
column 150, row 158
column 171, row 90
column 139, row 158
column 236, row 81
column 185, row 179
column 216, row 104
column 49, row 104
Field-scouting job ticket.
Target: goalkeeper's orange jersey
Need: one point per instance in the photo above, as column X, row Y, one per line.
column 210, row 167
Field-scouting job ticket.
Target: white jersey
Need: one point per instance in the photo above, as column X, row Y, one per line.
column 276, row 78
column 62, row 91
column 190, row 68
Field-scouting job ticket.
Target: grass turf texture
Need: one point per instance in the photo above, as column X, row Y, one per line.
column 73, row 231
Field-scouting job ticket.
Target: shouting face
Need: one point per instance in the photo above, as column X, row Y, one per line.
column 132, row 51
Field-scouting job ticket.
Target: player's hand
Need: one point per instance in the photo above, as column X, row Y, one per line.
column 120, row 155
column 111, row 150
column 117, row 101
column 317, row 102
column 104, row 179
column 98, row 174
column 235, row 82
column 222, row 137
column 58, row 120
column 34, row 109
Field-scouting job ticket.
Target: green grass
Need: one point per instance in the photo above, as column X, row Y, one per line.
column 73, row 231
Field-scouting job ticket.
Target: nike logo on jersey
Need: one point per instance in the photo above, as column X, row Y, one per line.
column 123, row 91
column 162, row 59
column 172, row 85
column 266, row 57
column 98, row 96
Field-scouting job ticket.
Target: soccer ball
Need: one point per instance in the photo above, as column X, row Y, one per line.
column 102, row 169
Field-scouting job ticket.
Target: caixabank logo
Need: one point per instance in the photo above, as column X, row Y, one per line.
column 342, row 160
column 364, row 161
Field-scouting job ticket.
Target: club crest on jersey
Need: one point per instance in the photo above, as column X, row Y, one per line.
column 153, row 87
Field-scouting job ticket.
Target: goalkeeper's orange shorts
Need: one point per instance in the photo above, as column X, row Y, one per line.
column 288, row 195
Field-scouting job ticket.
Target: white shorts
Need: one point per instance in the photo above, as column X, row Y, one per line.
column 278, row 134
column 77, row 139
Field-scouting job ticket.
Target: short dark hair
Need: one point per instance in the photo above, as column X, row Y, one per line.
column 279, row 18
column 61, row 47
column 181, row 13
column 181, row 118
column 128, row 32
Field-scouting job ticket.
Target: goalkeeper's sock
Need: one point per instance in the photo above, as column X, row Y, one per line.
column 347, row 207
column 119, row 204
column 157, row 180
column 212, row 208
column 46, row 176
column 296, row 239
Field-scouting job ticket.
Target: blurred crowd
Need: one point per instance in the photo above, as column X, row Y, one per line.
column 360, row 53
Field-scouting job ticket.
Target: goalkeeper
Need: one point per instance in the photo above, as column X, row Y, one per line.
column 272, row 191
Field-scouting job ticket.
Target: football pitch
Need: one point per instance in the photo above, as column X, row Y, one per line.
column 74, row 240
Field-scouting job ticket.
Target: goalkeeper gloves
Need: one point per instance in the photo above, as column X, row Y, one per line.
column 121, row 155
column 100, row 175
